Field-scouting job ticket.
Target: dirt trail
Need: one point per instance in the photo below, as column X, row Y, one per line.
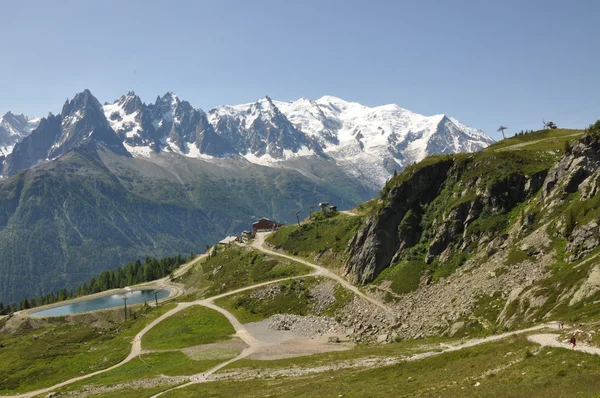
column 551, row 340
column 259, row 244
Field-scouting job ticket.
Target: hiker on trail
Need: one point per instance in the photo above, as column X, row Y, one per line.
column 573, row 342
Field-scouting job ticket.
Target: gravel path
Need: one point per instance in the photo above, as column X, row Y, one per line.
column 259, row 244
column 551, row 340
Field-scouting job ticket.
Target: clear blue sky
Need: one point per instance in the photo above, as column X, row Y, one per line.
column 483, row 62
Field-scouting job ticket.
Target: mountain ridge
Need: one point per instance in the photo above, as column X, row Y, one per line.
column 13, row 128
column 368, row 143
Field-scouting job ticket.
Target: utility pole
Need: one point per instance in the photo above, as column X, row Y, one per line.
column 125, row 302
column 298, row 218
column 156, row 298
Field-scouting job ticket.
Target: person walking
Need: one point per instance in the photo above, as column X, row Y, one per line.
column 573, row 342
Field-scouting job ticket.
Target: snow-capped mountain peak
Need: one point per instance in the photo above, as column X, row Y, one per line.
column 13, row 128
column 124, row 115
column 368, row 143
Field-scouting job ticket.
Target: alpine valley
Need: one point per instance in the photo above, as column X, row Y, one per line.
column 98, row 185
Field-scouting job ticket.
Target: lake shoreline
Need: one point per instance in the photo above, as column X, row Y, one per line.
column 173, row 292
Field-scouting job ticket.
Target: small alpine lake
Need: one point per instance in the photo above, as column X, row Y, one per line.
column 104, row 302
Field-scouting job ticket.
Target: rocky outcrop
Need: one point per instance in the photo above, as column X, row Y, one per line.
column 373, row 247
column 572, row 171
column 583, row 240
column 490, row 253
column 435, row 206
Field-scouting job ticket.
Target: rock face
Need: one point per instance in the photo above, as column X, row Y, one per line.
column 81, row 124
column 433, row 207
column 495, row 240
column 583, row 240
column 578, row 171
column 13, row 128
column 573, row 169
column 373, row 247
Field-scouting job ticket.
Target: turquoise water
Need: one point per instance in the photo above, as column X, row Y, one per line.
column 99, row 303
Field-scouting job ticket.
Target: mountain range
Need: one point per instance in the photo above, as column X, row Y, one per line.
column 366, row 143
column 102, row 184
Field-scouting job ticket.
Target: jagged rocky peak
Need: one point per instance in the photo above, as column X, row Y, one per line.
column 13, row 128
column 17, row 125
column 368, row 143
column 16, row 120
column 82, row 101
column 130, row 103
column 82, row 123
column 127, row 118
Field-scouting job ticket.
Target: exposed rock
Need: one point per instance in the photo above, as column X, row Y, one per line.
column 456, row 326
column 267, row 291
column 323, row 295
column 590, row 286
column 375, row 244
column 308, row 326
column 569, row 173
column 496, row 244
column 583, row 240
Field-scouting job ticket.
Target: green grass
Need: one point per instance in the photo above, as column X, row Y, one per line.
column 489, row 308
column 516, row 256
column 64, row 348
column 547, row 140
column 368, row 207
column 147, row 366
column 405, row 276
column 497, row 166
column 324, row 240
column 293, row 297
column 235, row 267
column 557, row 374
column 445, row 269
column 190, row 327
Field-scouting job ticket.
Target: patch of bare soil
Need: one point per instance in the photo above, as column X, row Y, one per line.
column 278, row 344
column 221, row 350
column 298, row 347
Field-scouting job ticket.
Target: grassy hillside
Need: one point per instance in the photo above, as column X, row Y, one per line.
column 290, row 297
column 46, row 352
column 543, row 140
column 233, row 267
column 505, row 369
column 322, row 239
column 190, row 327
